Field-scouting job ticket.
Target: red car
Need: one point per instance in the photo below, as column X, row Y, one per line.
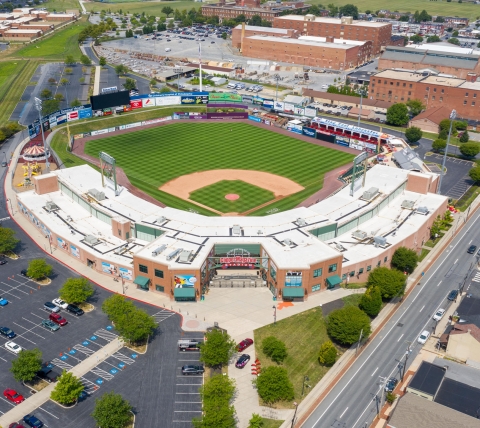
column 13, row 396
column 57, row 319
column 244, row 344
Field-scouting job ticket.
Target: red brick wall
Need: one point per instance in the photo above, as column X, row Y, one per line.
column 229, row 13
column 237, row 35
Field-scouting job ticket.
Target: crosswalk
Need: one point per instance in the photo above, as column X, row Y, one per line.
column 476, row 278
column 162, row 315
column 123, row 358
column 88, row 386
column 106, row 335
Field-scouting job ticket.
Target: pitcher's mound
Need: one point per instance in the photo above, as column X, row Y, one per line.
column 232, row 197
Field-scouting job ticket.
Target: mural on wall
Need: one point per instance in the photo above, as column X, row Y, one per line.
column 126, row 273
column 184, row 281
column 75, row 251
column 293, row 279
column 62, row 244
column 109, row 268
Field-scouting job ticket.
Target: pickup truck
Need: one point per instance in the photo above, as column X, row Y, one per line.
column 46, row 373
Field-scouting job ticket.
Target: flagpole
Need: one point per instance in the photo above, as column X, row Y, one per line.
column 200, row 63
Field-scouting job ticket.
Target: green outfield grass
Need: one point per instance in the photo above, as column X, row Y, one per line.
column 157, row 155
column 214, row 196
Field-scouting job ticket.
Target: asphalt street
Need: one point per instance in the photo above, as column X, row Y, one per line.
column 351, row 403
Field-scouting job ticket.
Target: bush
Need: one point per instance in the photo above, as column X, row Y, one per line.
column 76, row 290
column 413, row 134
column 464, row 137
column 112, row 411
column 371, row 301
column 404, row 259
column 327, row 354
column 38, row 269
column 344, row 325
column 274, row 348
column 391, row 397
column 256, row 421
column 397, row 114
column 439, row 145
column 67, row 390
column 273, row 385
column 474, row 174
column 470, row 150
column 390, row 281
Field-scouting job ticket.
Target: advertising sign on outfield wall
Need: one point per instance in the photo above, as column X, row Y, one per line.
column 194, row 99
column 310, row 112
column 299, row 110
column 288, row 108
column 254, row 118
column 310, row 132
column 268, row 103
column 224, row 97
column 72, row 115
column 148, row 102
column 168, row 101
column 279, row 105
column 136, row 104
column 85, row 113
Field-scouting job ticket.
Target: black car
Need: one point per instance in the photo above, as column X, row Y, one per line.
column 46, row 373
column 32, row 421
column 453, row 295
column 24, row 272
column 472, row 249
column 391, row 384
column 5, row 331
column 242, row 361
column 3, row 262
column 75, row 310
column 186, row 370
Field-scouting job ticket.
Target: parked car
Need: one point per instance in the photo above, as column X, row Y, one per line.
column 187, row 370
column 439, row 315
column 391, row 384
column 453, row 295
column 13, row 396
column 3, row 262
column 3, row 301
column 16, row 425
column 244, row 344
column 5, row 331
column 32, row 421
column 242, row 361
column 23, row 272
column 47, row 374
column 12, row 346
column 472, row 249
column 50, row 307
column 60, row 303
column 423, row 337
column 75, row 310
column 58, row 319
column 50, row 325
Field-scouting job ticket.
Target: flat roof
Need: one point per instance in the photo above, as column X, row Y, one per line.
column 459, row 396
column 15, row 30
column 427, row 378
column 338, row 21
column 342, row 45
column 403, row 75
column 266, row 29
column 324, row 39
column 443, row 81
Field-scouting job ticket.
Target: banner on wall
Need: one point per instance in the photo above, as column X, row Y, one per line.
column 299, row 110
column 288, row 108
column 310, row 112
column 148, row 102
column 168, row 101
column 62, row 244
column 61, row 119
column 184, row 281
column 194, row 99
column 75, row 251
column 181, row 115
column 279, row 105
column 224, row 97
column 109, row 268
column 293, row 279
column 136, row 104
column 310, row 132
column 268, row 103
column 99, row 132
column 126, row 273
column 343, row 141
column 72, row 115
column 85, row 113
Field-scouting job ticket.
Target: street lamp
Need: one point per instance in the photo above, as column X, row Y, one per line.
column 362, row 94
column 274, row 314
column 178, row 71
column 453, row 115
column 295, row 414
column 276, row 77
column 38, row 106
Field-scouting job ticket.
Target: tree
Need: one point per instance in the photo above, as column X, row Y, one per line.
column 112, row 411
column 121, row 69
column 38, row 268
column 26, row 366
column 46, row 94
column 75, row 103
column 135, row 326
column 217, row 349
column 274, row 348
column 454, row 41
column 224, row 36
column 256, row 421
column 64, row 82
column 85, row 60
column 129, row 33
column 390, row 281
column 255, row 20
column 130, row 84
column 470, row 150
column 153, row 82
column 50, row 106
column 344, row 325
column 273, row 385
column 415, row 106
column 69, row 60
column 397, row 114
column 161, row 27
column 413, row 134
column 464, row 137
column 67, row 390
column 165, row 90
column 68, row 70
column 59, row 97
column 76, row 290
column 170, row 25
column 416, row 39
column 433, row 39
column 327, row 354
column 371, row 301
column 404, row 259
column 474, row 173
column 439, row 145
column 115, row 306
column 349, row 10
column 8, row 242
column 455, row 33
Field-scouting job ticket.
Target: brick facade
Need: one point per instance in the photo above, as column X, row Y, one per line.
column 255, row 31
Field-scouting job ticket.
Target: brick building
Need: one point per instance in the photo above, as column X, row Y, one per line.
column 458, row 62
column 325, row 52
column 379, row 33
column 434, row 91
column 252, row 30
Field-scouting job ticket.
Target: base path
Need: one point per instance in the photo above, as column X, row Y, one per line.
column 186, row 184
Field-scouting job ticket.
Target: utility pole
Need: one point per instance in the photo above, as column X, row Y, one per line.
column 383, row 384
column 359, row 340
column 453, row 115
column 407, row 353
column 38, row 106
column 295, row 414
column 274, row 314
column 276, row 78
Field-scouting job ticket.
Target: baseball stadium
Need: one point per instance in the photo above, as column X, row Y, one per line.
column 180, row 207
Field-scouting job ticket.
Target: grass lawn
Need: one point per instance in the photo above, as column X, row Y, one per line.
column 57, row 46
column 163, row 153
column 352, row 299
column 464, row 202
column 302, row 346
column 214, row 196
column 271, row 423
column 423, row 254
column 62, row 5
column 149, row 7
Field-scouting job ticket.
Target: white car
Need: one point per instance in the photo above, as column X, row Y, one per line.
column 324, row 86
column 12, row 346
column 60, row 303
column 439, row 315
column 423, row 337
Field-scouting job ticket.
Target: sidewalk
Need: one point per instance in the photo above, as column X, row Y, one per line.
column 36, row 400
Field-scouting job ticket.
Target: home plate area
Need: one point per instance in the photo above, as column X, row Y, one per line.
column 105, row 370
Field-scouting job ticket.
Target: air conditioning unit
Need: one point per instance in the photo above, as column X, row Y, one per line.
column 161, row 219
column 380, row 241
column 360, row 235
column 91, row 240
column 97, row 194
column 369, row 194
column 174, row 253
column 422, row 210
column 236, row 230
column 159, row 250
column 51, row 206
column 301, row 222
column 288, row 242
column 185, row 256
column 408, row 205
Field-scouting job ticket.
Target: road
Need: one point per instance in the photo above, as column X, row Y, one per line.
column 351, row 402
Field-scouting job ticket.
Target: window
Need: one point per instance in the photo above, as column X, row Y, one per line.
column 119, row 232
column 317, row 273
column 159, row 273
column 433, row 98
column 360, row 271
column 465, row 103
column 332, row 268
column 398, row 83
column 434, row 89
column 466, row 94
column 378, row 264
column 385, row 259
column 409, row 92
column 441, row 98
column 352, row 273
column 410, row 86
column 316, row 287
column 443, row 91
column 473, row 103
column 159, row 288
column 369, row 268
column 404, row 85
column 427, row 88
column 474, row 95
column 344, row 277
column 143, row 268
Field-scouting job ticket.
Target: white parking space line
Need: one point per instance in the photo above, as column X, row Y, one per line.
column 106, row 335
column 400, row 338
column 188, row 384
column 422, row 308
column 38, row 316
column 10, row 294
column 30, row 329
column 439, row 283
column 14, row 288
column 6, row 401
column 62, row 364
column 83, row 350
column 123, row 358
column 38, row 325
column 3, row 359
column 19, row 284
column 187, row 393
column 41, row 408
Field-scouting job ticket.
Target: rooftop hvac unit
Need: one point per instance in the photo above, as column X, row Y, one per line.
column 159, row 250
column 91, row 240
column 185, row 256
column 422, row 210
column 360, row 234
column 236, row 230
column 339, row 247
column 51, row 206
column 408, row 205
column 97, row 194
column 380, row 241
column 161, row 219
column 288, row 242
column 174, row 253
column 301, row 222
column 370, row 193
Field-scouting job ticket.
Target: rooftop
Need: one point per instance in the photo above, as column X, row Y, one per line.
column 324, row 40
column 343, row 45
column 401, row 75
column 338, row 21
column 427, row 379
column 264, row 29
column 443, row 81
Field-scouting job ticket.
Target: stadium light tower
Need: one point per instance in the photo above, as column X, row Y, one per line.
column 453, row 116
column 38, row 106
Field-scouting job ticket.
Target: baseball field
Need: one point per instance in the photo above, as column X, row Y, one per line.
column 217, row 168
